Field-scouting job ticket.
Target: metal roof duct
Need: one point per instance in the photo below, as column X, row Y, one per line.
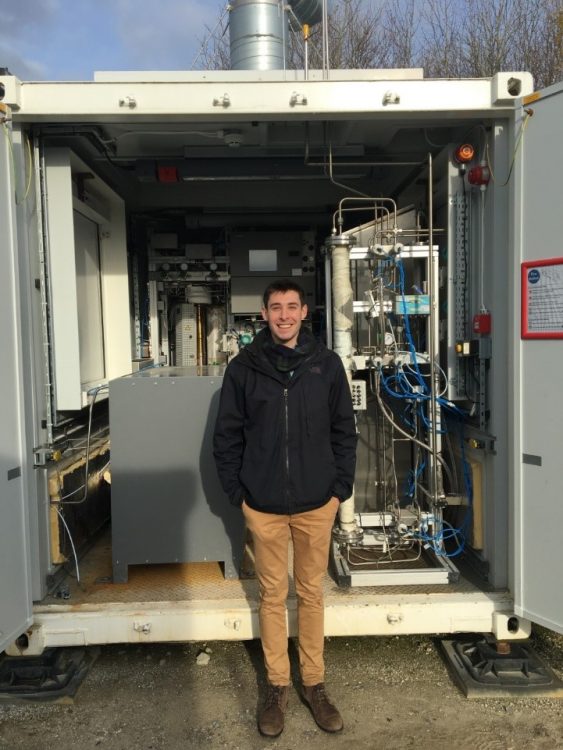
column 259, row 31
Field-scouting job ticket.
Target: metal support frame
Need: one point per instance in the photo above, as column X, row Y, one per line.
column 44, row 287
column 441, row 570
column 460, row 267
column 459, row 280
column 352, row 614
column 137, row 313
column 482, row 393
column 444, row 571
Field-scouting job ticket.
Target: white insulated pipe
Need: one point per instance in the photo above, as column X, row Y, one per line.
column 343, row 312
column 342, row 303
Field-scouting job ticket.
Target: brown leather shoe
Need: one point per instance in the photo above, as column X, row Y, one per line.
column 271, row 717
column 324, row 712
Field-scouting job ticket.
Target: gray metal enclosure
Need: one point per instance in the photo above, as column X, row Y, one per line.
column 167, row 504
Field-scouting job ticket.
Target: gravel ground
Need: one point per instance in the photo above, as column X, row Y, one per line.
column 392, row 692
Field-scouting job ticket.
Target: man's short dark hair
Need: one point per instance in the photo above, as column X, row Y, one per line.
column 284, row 285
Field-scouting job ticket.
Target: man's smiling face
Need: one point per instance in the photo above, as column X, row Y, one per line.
column 284, row 315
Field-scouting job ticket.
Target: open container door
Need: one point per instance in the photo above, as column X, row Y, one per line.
column 15, row 574
column 537, row 276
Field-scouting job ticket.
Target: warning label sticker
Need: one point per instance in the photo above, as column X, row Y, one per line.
column 545, row 299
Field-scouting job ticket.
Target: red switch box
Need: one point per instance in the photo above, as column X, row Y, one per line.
column 482, row 323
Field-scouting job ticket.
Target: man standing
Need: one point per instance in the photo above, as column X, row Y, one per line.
column 285, row 448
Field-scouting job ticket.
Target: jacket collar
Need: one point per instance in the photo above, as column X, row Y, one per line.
column 254, row 355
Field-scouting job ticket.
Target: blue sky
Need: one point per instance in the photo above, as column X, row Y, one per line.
column 70, row 39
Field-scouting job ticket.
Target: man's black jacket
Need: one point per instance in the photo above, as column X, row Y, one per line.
column 285, row 444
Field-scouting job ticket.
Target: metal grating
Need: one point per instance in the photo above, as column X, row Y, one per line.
column 196, row 582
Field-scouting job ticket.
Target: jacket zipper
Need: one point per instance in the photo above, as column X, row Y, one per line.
column 285, row 399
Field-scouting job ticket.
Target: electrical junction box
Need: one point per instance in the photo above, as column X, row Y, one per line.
column 359, row 400
column 413, row 304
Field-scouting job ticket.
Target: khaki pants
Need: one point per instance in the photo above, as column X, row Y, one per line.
column 310, row 532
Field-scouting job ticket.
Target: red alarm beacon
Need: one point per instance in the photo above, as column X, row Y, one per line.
column 479, row 176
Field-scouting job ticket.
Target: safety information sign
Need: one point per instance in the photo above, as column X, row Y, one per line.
column 542, row 299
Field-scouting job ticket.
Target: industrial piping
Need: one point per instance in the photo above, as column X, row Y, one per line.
column 259, row 31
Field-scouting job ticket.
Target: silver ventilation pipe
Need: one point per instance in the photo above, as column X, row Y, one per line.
column 259, row 31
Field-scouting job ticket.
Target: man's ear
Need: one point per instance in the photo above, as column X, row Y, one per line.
column 304, row 311
column 264, row 314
